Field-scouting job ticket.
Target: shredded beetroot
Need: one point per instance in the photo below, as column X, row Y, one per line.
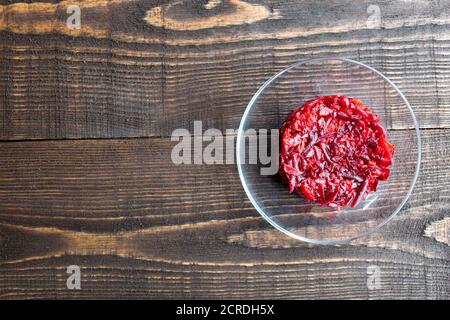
column 334, row 151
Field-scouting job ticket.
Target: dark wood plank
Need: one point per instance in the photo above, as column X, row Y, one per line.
column 142, row 227
column 125, row 73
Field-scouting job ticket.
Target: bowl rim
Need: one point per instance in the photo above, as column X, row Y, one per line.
column 261, row 211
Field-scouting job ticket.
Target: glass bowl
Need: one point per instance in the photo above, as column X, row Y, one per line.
column 268, row 109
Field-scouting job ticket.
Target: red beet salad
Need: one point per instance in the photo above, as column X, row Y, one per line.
column 334, row 151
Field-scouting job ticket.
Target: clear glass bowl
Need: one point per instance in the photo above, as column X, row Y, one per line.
column 288, row 90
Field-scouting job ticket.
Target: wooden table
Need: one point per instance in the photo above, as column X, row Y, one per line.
column 86, row 179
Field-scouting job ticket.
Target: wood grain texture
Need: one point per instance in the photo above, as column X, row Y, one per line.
column 122, row 76
column 439, row 230
column 142, row 227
